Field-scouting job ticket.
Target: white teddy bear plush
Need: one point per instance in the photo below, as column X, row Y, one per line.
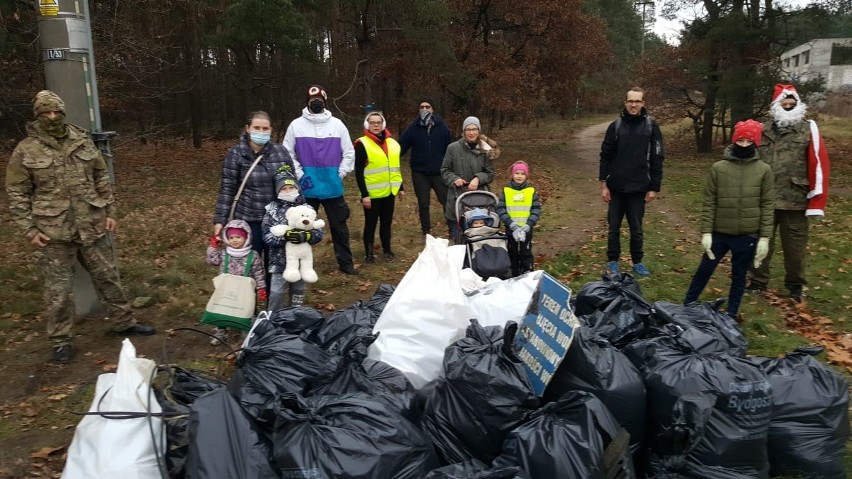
column 299, row 256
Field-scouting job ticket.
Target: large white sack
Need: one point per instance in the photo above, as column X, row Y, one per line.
column 426, row 313
column 119, row 448
column 507, row 300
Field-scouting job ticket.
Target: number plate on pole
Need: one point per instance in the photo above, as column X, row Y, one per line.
column 54, row 54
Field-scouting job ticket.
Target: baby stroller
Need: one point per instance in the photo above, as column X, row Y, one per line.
column 486, row 253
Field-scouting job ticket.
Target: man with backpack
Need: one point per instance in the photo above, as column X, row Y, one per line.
column 631, row 170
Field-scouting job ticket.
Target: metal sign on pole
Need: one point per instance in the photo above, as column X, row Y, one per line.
column 65, row 39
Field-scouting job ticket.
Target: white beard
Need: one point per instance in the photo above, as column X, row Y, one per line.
column 784, row 118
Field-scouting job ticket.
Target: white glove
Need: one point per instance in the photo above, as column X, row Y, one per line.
column 341, row 174
column 525, row 228
column 519, row 235
column 707, row 244
column 278, row 230
column 761, row 251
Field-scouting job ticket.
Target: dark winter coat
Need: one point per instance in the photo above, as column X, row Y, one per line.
column 428, row 145
column 739, row 198
column 260, row 187
column 632, row 159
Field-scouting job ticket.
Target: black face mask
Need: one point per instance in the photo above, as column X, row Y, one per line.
column 743, row 152
column 316, row 106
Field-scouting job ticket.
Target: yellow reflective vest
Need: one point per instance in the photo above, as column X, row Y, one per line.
column 382, row 175
column 519, row 203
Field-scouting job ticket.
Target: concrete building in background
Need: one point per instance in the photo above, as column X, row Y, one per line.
column 829, row 58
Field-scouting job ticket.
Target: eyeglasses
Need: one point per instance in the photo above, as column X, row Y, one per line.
column 471, row 129
column 634, row 102
column 375, row 122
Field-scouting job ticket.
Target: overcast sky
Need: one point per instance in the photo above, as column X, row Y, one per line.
column 669, row 29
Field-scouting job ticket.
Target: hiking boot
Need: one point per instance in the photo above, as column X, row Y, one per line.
column 369, row 258
column 612, row 268
column 62, row 354
column 389, row 256
column 138, row 330
column 641, row 270
column 349, row 269
column 754, row 288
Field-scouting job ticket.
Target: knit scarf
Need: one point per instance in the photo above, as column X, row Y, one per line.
column 238, row 252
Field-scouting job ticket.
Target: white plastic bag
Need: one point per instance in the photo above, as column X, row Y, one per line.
column 119, row 448
column 426, row 313
column 507, row 300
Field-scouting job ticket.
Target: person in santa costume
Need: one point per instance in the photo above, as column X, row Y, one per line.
column 794, row 149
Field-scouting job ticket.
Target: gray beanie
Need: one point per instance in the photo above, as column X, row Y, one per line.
column 471, row 120
column 285, row 176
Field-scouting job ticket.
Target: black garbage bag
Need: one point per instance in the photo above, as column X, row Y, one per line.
column 484, row 394
column 593, row 365
column 297, row 321
column 273, row 364
column 351, row 436
column 615, row 308
column 712, row 410
column 176, row 389
column 380, row 298
column 474, row 469
column 662, row 346
column 706, row 328
column 224, row 442
column 573, row 437
column 810, row 416
column 354, row 372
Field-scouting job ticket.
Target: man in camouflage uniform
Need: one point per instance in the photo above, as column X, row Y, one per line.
column 61, row 199
column 794, row 149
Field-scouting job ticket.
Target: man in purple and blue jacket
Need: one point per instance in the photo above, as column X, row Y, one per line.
column 323, row 155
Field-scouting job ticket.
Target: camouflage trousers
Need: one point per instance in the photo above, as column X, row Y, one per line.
column 792, row 227
column 57, row 261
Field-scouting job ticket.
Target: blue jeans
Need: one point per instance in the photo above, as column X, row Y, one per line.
column 742, row 249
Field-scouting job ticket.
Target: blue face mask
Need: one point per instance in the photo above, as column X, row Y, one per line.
column 260, row 138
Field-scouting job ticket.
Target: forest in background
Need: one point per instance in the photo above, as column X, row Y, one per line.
column 194, row 68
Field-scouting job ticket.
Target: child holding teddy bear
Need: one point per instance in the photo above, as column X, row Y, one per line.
column 276, row 235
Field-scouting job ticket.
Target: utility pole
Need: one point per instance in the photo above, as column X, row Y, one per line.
column 643, row 3
column 65, row 39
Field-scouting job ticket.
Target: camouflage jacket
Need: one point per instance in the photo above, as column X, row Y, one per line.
column 786, row 151
column 59, row 187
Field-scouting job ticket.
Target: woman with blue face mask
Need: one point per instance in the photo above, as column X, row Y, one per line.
column 256, row 148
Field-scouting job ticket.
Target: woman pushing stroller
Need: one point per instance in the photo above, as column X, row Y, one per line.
column 468, row 166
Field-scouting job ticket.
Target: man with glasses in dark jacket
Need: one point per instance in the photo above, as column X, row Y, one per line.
column 427, row 137
column 631, row 170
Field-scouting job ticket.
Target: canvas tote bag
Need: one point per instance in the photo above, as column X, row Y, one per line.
column 233, row 301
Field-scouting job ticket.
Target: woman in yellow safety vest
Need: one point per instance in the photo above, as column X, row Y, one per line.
column 379, row 178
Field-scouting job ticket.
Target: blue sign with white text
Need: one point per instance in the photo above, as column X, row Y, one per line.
column 546, row 331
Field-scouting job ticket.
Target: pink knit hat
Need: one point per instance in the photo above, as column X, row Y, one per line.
column 236, row 232
column 519, row 165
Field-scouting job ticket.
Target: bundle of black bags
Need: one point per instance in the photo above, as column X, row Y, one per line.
column 646, row 390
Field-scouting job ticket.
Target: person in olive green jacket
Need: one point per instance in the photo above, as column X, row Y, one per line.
column 61, row 199
column 737, row 214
